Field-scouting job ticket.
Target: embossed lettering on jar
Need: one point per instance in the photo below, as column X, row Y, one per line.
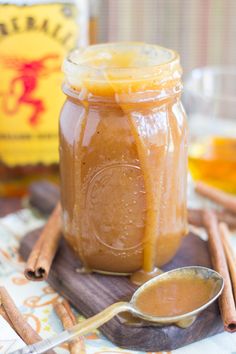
column 123, row 156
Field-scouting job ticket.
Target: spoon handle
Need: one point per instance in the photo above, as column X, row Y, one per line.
column 79, row 329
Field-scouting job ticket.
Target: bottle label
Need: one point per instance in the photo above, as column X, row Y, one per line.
column 33, row 41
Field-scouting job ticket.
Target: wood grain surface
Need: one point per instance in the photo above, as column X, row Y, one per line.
column 90, row 293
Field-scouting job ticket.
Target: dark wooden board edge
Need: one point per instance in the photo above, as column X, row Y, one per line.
column 80, row 290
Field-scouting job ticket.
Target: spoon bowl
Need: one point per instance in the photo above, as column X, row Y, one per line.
column 186, row 319
column 183, row 320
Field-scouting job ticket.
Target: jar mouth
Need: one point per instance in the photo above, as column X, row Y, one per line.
column 122, row 67
column 121, row 56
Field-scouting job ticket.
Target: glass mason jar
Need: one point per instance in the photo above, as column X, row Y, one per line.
column 123, row 156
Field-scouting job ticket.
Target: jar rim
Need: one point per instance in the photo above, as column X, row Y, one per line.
column 122, row 67
column 76, row 56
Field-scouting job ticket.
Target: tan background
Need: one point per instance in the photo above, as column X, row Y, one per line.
column 203, row 31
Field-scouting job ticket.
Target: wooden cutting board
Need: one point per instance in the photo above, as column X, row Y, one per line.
column 91, row 293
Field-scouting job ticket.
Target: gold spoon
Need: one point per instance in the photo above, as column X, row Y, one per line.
column 183, row 321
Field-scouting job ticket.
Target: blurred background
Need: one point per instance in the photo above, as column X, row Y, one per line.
column 31, row 53
column 202, row 31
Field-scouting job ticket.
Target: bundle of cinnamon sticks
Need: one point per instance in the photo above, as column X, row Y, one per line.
column 222, row 255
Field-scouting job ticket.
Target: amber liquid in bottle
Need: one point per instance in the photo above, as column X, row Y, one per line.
column 213, row 160
column 34, row 38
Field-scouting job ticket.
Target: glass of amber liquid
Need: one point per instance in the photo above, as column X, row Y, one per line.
column 210, row 100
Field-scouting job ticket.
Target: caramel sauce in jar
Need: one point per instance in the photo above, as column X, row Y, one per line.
column 123, row 156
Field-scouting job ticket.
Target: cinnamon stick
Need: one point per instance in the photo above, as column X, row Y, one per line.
column 13, row 316
column 64, row 312
column 229, row 253
column 24, row 330
column 226, row 300
column 44, row 250
column 225, row 199
column 195, row 217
